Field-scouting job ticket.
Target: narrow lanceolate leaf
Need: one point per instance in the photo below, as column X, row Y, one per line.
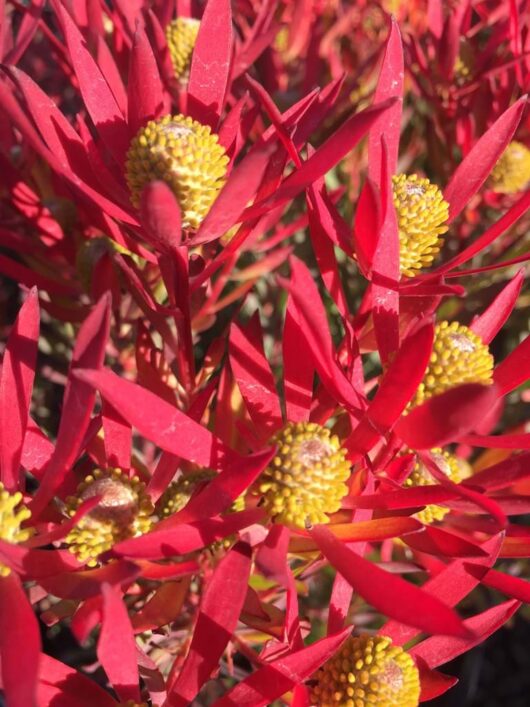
column 389, row 85
column 99, row 99
column 477, row 165
column 387, row 592
column 218, row 616
column 396, row 389
column 145, row 98
column 273, row 680
column 447, row 417
column 254, row 376
column 16, row 384
column 514, row 370
column 367, row 226
column 116, row 647
column 438, row 650
column 514, row 587
column 59, row 684
column 88, row 583
column 332, row 151
column 161, row 217
column 162, row 423
column 19, row 644
column 210, row 64
column 491, row 321
column 298, row 371
column 79, row 399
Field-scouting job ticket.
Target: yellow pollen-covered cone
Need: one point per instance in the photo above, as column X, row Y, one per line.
column 367, row 671
column 12, row 514
column 422, row 214
column 187, row 156
column 181, row 35
column 511, row 174
column 449, row 464
column 306, row 479
column 459, row 356
column 123, row 511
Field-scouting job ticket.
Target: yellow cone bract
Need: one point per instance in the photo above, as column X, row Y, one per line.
column 367, row 671
column 511, row 174
column 187, row 156
column 306, row 479
column 181, row 35
column 458, row 356
column 12, row 514
column 422, row 214
column 123, row 511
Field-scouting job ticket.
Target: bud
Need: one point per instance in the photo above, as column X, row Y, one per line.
column 459, row 356
column 367, row 671
column 306, row 479
column 512, row 172
column 187, row 156
column 422, row 213
column 12, row 514
column 123, row 511
column 181, row 35
column 449, row 464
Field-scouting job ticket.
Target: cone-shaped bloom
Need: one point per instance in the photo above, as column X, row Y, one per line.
column 512, row 172
column 181, row 35
column 450, row 465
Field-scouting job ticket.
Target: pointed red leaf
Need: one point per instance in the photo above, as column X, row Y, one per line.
column 514, row 370
column 116, row 648
column 514, row 587
column 491, row 321
column 436, row 541
column 476, row 167
column 210, row 64
column 144, row 91
column 368, row 217
column 447, row 417
column 16, row 384
column 389, row 85
column 99, row 99
column 432, row 682
column 78, row 401
column 274, row 679
column 19, row 644
column 254, row 376
column 515, row 441
column 88, row 583
column 298, row 371
column 386, row 592
column 161, row 217
column 157, row 420
column 438, row 650
column 218, row 616
column 118, row 438
column 62, row 686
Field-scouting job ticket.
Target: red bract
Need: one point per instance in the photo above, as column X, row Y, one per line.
column 252, row 434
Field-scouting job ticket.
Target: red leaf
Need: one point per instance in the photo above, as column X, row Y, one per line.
column 447, row 417
column 19, row 644
column 62, row 686
column 145, row 99
column 218, row 616
column 33, row 564
column 514, row 587
column 389, row 85
column 273, row 680
column 161, row 218
column 368, row 218
column 396, row 389
column 334, row 149
column 86, row 584
column 515, row 441
column 210, row 64
column 163, row 607
column 116, row 648
column 298, row 371
column 78, row 401
column 159, row 421
column 436, row 541
column 254, row 376
column 478, row 163
column 386, row 592
column 490, row 322
column 99, row 99
column 503, row 474
column 169, row 541
column 16, row 384
column 514, row 370
column 432, row 682
column 438, row 650
column 118, row 438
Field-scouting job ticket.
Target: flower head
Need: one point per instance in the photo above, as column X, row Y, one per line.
column 422, row 213
column 306, row 479
column 459, row 356
column 368, row 670
column 450, row 465
column 512, row 172
column 12, row 515
column 123, row 511
column 179, row 492
column 181, row 35
column 187, row 156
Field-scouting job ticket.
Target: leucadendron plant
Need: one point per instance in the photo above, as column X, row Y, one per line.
column 264, row 360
